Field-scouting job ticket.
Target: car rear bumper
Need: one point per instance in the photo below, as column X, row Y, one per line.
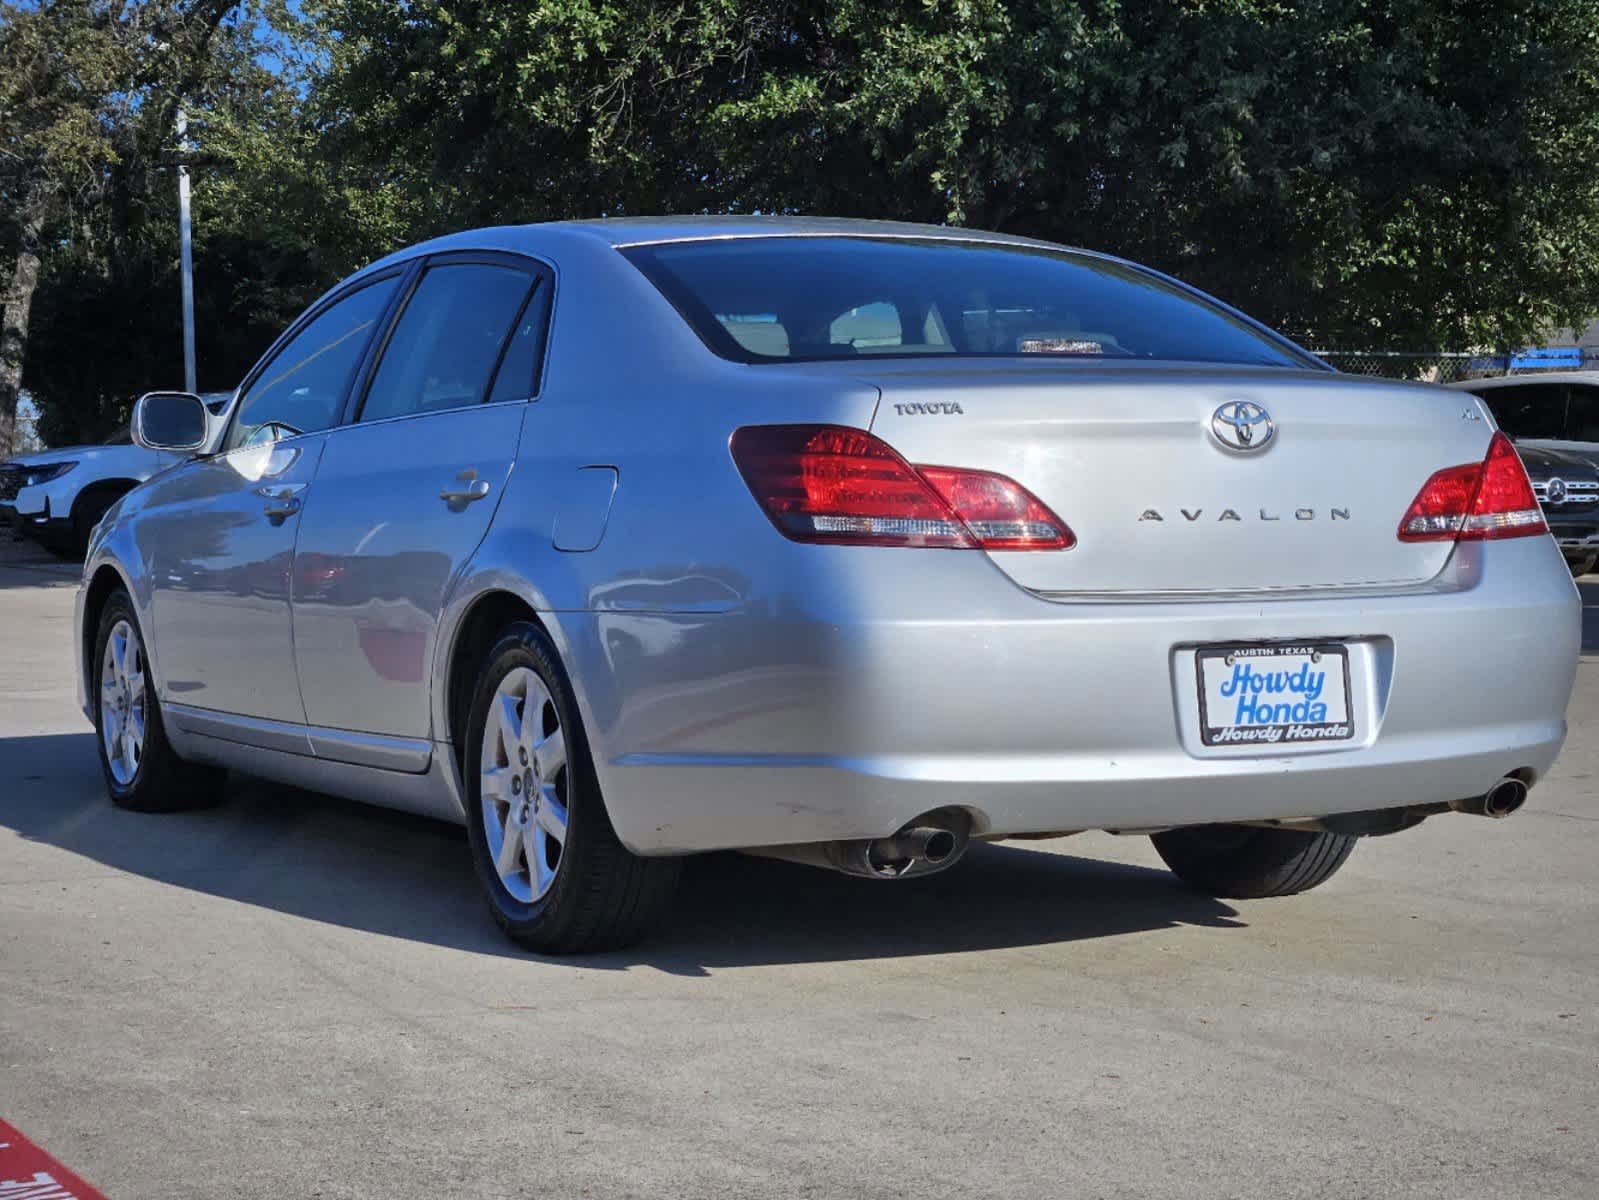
column 847, row 717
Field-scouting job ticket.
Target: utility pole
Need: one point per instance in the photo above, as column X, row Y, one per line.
column 186, row 251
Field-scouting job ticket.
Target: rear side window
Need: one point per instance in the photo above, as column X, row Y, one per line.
column 771, row 299
column 301, row 388
column 448, row 341
column 517, row 378
column 1582, row 413
column 1528, row 410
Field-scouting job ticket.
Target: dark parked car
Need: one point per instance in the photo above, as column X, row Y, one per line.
column 1555, row 410
column 1568, row 488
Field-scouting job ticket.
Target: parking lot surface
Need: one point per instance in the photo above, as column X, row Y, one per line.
column 296, row 996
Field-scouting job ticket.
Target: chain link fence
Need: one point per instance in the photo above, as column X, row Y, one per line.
column 1443, row 367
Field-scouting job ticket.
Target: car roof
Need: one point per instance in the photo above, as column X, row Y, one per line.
column 550, row 237
column 1499, row 381
column 637, row 231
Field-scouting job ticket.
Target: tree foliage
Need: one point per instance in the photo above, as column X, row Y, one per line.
column 1419, row 173
column 89, row 92
column 1414, row 174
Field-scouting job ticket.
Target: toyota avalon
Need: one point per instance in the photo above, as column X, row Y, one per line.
column 839, row 542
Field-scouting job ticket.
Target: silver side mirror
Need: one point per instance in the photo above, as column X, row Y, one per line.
column 174, row 421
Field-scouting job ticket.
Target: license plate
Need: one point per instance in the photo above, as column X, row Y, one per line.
column 1274, row 695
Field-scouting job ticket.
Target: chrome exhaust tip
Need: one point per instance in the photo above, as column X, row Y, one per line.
column 932, row 842
column 922, row 846
column 1498, row 802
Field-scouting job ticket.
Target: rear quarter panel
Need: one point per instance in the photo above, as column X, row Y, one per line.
column 628, row 386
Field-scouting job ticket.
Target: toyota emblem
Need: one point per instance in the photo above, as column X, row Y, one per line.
column 1242, row 425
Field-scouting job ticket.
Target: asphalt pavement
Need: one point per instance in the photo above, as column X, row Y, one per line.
column 295, row 996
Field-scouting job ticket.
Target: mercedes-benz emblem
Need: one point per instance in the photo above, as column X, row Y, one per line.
column 1557, row 491
column 1242, row 425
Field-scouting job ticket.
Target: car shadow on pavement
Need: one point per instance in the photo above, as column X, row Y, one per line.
column 42, row 573
column 352, row 865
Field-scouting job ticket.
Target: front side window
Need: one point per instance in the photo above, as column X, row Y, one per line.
column 1528, row 410
column 301, row 389
column 448, row 342
column 769, row 299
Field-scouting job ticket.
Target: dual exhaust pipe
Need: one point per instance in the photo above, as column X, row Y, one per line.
column 931, row 843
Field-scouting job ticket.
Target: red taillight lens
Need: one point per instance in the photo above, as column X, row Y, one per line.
column 1476, row 501
column 1000, row 513
column 824, row 483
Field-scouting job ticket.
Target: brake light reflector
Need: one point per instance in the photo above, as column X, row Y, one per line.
column 826, row 483
column 1476, row 501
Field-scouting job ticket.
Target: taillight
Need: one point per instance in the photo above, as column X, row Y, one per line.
column 826, row 483
column 1476, row 501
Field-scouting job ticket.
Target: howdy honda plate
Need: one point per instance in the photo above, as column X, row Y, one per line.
column 1275, row 694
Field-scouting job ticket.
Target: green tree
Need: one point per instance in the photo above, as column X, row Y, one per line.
column 1419, row 173
column 86, row 92
column 88, row 98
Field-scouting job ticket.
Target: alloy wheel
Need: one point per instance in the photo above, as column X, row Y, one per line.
column 524, row 785
column 123, row 702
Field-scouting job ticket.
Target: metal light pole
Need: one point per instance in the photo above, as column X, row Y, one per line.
column 186, row 251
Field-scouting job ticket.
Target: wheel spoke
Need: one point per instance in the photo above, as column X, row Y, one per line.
column 130, row 751
column 136, row 685
column 119, row 655
column 533, row 715
column 538, row 862
column 552, row 815
column 510, row 723
column 510, row 845
column 551, row 754
column 111, row 726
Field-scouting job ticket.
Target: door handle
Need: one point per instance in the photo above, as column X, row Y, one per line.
column 282, row 499
column 458, row 497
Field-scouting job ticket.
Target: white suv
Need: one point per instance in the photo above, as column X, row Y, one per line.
column 58, row 496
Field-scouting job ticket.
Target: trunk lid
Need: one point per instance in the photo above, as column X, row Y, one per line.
column 1128, row 458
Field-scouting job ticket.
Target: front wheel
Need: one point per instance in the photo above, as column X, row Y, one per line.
column 142, row 771
column 555, row 875
column 1245, row 862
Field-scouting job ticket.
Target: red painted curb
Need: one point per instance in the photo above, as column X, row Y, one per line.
column 28, row 1173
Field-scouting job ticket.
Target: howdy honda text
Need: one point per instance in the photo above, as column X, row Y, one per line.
column 1275, row 693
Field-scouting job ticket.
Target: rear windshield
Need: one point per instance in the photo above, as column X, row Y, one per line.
column 801, row 299
column 1530, row 410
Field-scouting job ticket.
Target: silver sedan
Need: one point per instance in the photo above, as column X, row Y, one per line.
column 840, row 542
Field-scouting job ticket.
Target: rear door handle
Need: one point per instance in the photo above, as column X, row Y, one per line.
column 470, row 488
column 282, row 499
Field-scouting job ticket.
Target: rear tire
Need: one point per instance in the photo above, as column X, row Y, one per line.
column 1243, row 862
column 142, row 771
column 554, row 873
